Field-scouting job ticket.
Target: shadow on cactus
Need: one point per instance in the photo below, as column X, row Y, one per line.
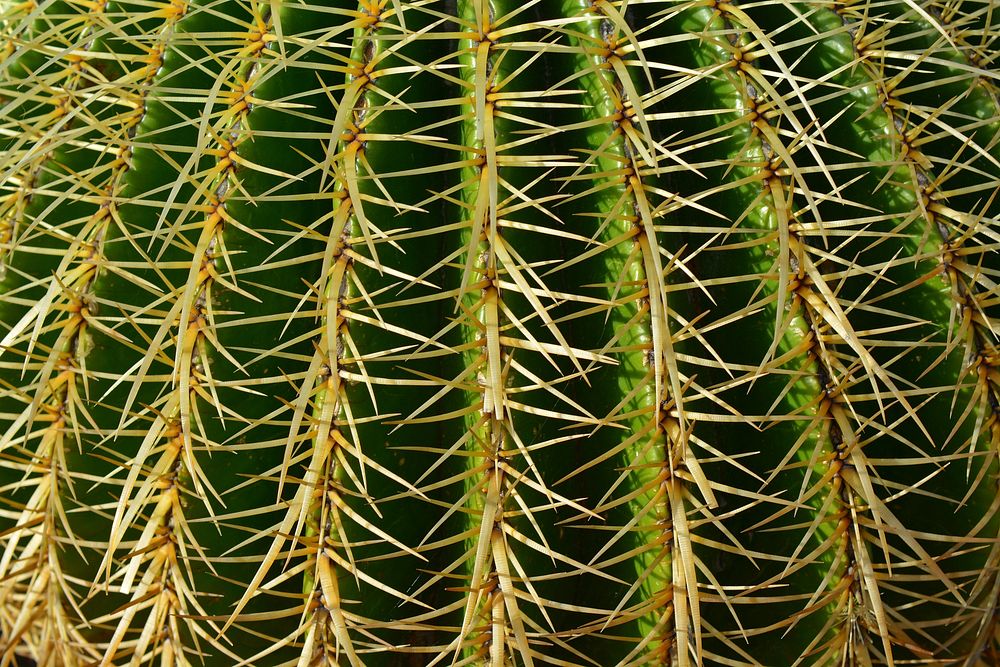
column 479, row 332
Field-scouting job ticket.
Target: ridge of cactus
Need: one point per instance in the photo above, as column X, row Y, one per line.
column 477, row 332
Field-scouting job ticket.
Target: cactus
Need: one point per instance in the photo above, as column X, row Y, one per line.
column 459, row 332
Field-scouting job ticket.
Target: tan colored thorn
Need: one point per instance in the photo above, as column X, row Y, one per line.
column 172, row 10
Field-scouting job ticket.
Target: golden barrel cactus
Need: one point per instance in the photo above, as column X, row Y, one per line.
column 479, row 332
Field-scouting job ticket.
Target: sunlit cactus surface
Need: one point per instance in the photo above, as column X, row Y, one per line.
column 596, row 333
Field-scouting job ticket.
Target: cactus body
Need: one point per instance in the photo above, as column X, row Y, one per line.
column 461, row 332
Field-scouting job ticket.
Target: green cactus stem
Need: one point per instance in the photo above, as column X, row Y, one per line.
column 478, row 332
